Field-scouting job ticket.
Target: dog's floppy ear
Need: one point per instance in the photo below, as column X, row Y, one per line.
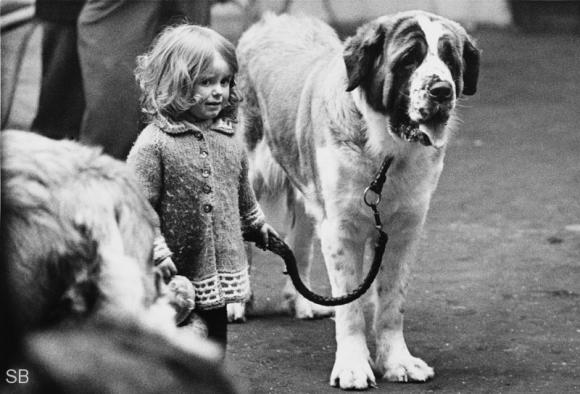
column 361, row 50
column 471, row 66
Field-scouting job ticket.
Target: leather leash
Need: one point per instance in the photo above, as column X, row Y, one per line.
column 279, row 247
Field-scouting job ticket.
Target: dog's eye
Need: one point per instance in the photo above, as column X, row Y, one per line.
column 407, row 60
column 453, row 65
column 411, row 58
column 450, row 58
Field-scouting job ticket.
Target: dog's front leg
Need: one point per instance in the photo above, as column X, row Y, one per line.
column 393, row 359
column 343, row 250
column 301, row 239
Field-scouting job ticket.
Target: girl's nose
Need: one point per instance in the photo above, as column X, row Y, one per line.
column 217, row 90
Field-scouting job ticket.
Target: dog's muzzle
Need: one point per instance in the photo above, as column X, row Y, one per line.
column 430, row 110
column 411, row 133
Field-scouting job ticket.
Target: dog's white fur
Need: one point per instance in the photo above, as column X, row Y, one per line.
column 320, row 117
column 78, row 241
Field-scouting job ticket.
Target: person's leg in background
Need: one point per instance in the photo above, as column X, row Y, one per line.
column 112, row 33
column 196, row 12
column 61, row 98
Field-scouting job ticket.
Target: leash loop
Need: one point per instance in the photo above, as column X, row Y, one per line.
column 279, row 247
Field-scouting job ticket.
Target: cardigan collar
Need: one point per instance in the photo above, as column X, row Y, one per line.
column 221, row 125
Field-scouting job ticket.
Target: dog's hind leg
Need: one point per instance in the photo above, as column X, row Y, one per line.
column 237, row 311
column 301, row 239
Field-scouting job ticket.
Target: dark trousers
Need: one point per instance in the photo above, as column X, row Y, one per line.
column 112, row 33
column 216, row 321
column 61, row 100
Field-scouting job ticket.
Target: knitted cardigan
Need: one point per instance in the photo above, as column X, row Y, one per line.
column 196, row 178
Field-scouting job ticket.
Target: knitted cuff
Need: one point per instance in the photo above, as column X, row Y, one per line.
column 160, row 250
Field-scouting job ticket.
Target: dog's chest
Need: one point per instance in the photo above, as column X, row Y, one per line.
column 410, row 183
column 411, row 180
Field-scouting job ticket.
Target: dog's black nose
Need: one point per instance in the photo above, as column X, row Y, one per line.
column 441, row 91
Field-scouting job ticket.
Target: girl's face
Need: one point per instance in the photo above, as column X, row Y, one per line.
column 212, row 90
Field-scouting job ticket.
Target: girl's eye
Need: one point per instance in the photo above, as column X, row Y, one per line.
column 205, row 82
column 225, row 81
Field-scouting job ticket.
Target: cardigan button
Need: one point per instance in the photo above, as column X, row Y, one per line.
column 203, row 154
column 206, row 189
column 207, row 208
column 205, row 173
column 198, row 135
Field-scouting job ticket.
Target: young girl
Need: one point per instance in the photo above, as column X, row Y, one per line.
column 193, row 169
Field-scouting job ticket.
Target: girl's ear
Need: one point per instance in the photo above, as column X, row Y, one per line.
column 231, row 111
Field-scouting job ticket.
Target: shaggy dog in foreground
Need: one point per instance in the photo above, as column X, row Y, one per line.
column 84, row 308
column 320, row 116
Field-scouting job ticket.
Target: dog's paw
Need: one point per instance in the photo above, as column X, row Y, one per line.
column 352, row 373
column 303, row 309
column 395, row 363
column 407, row 369
column 236, row 312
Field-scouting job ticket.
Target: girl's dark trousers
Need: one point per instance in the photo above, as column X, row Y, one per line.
column 217, row 324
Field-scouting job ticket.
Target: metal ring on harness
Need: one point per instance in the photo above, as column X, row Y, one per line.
column 371, row 204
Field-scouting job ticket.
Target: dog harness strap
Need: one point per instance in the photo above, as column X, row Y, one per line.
column 280, row 248
column 377, row 183
column 376, row 186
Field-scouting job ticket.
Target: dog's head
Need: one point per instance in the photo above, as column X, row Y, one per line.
column 77, row 238
column 410, row 69
column 77, row 233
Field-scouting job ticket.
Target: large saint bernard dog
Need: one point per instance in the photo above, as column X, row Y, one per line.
column 320, row 117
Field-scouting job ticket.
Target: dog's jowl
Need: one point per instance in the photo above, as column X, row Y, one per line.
column 320, row 117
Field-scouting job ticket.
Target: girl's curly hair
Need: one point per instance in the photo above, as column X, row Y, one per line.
column 167, row 73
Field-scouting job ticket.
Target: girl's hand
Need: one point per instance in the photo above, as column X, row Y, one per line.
column 167, row 269
column 266, row 230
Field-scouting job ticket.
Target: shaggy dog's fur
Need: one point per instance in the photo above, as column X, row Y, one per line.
column 83, row 306
column 77, row 231
column 320, row 117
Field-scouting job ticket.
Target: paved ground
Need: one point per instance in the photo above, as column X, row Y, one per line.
column 493, row 303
